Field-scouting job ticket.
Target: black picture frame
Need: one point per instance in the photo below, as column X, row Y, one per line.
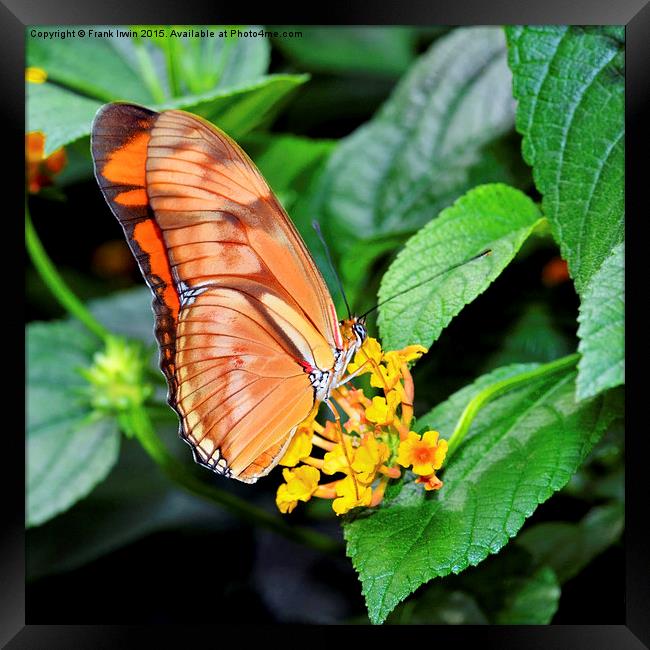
column 15, row 15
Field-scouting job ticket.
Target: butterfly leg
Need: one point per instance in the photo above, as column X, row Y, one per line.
column 339, row 430
column 375, row 366
column 354, row 374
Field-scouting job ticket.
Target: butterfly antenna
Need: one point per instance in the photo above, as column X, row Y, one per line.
column 316, row 227
column 433, row 277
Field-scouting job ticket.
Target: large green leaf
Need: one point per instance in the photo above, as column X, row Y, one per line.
column 376, row 50
column 567, row 547
column 570, row 85
column 424, row 147
column 602, row 328
column 495, row 217
column 69, row 448
column 522, row 447
column 221, row 79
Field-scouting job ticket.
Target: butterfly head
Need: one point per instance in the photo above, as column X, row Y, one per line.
column 354, row 332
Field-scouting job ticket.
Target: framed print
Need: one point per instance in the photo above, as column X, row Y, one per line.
column 374, row 276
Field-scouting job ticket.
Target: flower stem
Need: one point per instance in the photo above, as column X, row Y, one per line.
column 139, row 424
column 55, row 282
column 499, row 388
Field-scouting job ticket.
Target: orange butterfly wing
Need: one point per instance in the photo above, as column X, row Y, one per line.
column 240, row 306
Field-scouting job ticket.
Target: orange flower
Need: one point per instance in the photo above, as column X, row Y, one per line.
column 40, row 170
column 555, row 272
column 424, row 453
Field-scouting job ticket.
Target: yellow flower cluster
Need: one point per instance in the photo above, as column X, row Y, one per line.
column 367, row 450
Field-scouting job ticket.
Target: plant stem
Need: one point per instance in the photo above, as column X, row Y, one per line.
column 495, row 390
column 140, row 426
column 55, row 282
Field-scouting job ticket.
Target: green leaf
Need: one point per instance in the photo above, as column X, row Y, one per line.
column 93, row 67
column 521, row 447
column 570, row 87
column 118, row 68
column 79, row 165
column 386, row 51
column 69, row 448
column 62, row 115
column 602, row 328
column 495, row 217
column 567, row 547
column 424, row 147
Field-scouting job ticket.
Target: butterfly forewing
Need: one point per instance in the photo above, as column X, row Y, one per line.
column 241, row 309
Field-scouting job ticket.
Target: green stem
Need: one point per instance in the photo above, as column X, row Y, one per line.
column 494, row 390
column 55, row 282
column 139, row 424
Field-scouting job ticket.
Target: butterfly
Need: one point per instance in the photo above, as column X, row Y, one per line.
column 250, row 342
